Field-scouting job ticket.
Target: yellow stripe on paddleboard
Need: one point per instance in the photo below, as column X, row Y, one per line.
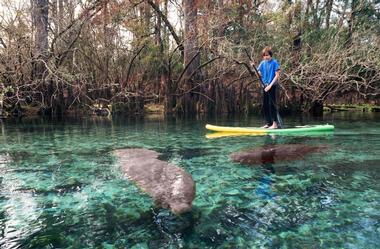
column 258, row 131
column 219, row 134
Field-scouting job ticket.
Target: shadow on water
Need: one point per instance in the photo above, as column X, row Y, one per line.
column 264, row 189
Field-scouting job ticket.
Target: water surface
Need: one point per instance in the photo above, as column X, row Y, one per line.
column 61, row 186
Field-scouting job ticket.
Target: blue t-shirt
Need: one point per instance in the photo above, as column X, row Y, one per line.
column 268, row 70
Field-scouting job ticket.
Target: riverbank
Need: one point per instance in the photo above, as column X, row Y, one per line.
column 358, row 108
column 158, row 109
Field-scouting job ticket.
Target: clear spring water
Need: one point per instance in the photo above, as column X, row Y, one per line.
column 60, row 186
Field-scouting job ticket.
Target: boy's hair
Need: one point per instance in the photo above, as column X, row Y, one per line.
column 267, row 50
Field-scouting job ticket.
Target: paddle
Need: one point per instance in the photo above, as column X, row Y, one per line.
column 279, row 119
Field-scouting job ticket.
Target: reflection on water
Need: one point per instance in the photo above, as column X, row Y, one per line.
column 60, row 186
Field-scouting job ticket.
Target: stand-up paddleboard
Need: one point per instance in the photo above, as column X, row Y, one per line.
column 312, row 129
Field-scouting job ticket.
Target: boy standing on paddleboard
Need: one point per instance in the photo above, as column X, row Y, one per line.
column 269, row 71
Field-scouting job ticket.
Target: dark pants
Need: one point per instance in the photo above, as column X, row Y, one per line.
column 270, row 105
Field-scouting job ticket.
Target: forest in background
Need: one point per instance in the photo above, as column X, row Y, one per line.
column 76, row 56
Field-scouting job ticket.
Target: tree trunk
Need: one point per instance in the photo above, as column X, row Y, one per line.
column 351, row 21
column 329, row 5
column 61, row 14
column 162, row 38
column 145, row 15
column 191, row 56
column 317, row 108
column 167, row 23
column 70, row 9
column 54, row 15
column 161, row 79
column 343, row 14
column 309, row 4
column 315, row 15
column 40, row 12
column 107, row 49
column 1, row 100
column 40, row 21
column 165, row 29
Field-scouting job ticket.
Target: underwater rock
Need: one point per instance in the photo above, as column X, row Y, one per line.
column 170, row 186
column 275, row 153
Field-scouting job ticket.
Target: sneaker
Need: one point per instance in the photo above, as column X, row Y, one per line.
column 265, row 126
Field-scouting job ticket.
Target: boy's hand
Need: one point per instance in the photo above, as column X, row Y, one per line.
column 267, row 88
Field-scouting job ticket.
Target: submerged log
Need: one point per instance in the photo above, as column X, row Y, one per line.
column 275, row 153
column 170, row 186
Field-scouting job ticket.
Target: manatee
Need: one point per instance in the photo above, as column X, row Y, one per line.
column 170, row 186
column 275, row 153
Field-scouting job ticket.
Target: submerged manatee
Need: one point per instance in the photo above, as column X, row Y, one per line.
column 275, row 153
column 170, row 186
